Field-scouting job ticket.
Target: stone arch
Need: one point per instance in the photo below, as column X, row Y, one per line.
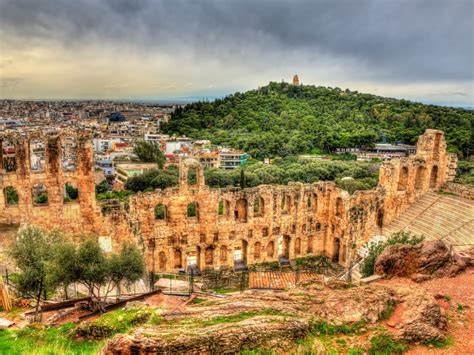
column 39, row 194
column 403, row 179
column 314, row 201
column 285, row 247
column 223, row 254
column 257, row 250
column 193, row 210
column 11, row 196
column 161, row 212
column 297, row 246
column 309, row 247
column 37, row 155
column 220, row 208
column 419, row 177
column 270, row 250
column 259, row 207
column 434, row 176
column 71, row 193
column 178, row 260
column 209, row 256
column 339, row 207
column 68, row 153
column 336, row 250
column 188, row 168
column 240, row 211
column 162, row 261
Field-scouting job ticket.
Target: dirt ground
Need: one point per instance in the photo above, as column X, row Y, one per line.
column 456, row 296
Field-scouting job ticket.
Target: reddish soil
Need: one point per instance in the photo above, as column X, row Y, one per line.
column 458, row 301
column 168, row 302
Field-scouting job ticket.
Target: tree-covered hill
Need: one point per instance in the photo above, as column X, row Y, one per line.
column 281, row 119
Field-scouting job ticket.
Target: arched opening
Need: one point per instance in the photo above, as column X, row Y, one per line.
column 314, row 202
column 420, row 177
column 298, row 246
column 256, row 250
column 434, row 176
column 69, row 154
column 259, row 207
column 178, row 263
column 380, row 218
column 40, row 195
column 337, row 246
column 226, row 209
column 192, row 210
column 209, row 256
column 160, row 212
column 339, row 207
column 284, row 204
column 162, row 261
column 7, row 156
column 223, row 254
column 240, row 211
column 270, row 250
column 192, row 176
column 71, row 193
column 11, row 196
column 220, row 208
column 318, row 227
column 244, row 250
column 284, row 246
column 403, row 179
column 309, row 248
column 37, row 155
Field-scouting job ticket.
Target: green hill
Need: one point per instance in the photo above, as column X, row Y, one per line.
column 281, row 119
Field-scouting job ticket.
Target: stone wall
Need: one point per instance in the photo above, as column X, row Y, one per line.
column 465, row 191
column 214, row 227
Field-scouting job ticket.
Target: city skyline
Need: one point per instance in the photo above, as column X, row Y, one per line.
column 162, row 50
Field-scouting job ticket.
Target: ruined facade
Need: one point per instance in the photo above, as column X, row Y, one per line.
column 194, row 224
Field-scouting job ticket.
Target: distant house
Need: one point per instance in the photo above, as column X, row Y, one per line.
column 124, row 171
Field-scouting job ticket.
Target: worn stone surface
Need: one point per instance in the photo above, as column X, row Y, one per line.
column 429, row 258
column 255, row 224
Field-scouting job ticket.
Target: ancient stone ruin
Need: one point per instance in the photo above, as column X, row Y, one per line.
column 194, row 224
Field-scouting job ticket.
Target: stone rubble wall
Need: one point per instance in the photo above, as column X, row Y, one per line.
column 459, row 189
column 255, row 224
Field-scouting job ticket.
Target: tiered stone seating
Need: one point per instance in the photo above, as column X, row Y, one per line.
column 438, row 217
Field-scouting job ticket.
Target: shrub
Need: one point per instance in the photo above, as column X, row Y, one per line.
column 385, row 345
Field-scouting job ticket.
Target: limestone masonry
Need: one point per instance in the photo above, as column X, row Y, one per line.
column 212, row 227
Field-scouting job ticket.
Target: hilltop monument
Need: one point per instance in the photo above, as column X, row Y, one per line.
column 296, row 80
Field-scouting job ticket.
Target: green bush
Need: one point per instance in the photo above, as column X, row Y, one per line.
column 41, row 199
column 386, row 345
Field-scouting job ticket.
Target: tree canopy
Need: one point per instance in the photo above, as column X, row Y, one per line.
column 148, row 152
column 282, row 119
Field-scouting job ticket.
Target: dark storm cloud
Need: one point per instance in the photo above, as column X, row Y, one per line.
column 403, row 40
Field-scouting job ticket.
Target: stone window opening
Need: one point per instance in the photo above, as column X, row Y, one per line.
column 232, row 235
column 403, row 179
column 192, row 176
column 160, row 212
column 223, row 254
column 339, row 207
column 309, row 248
column 265, row 232
column 285, row 203
column 7, row 156
column 40, row 195
column 192, row 210
column 37, row 156
column 309, row 202
column 434, row 176
column 209, row 256
column 162, row 261
column 220, row 208
column 259, row 207
column 314, row 197
column 249, row 234
column 216, row 237
column 178, row 263
column 202, row 238
column 420, row 177
column 240, row 211
column 256, row 250
column 71, row 193
column 337, row 245
column 270, row 250
column 11, row 196
column 318, row 227
column 69, row 154
column 298, row 246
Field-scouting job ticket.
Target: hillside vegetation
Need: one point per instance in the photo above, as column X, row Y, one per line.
column 282, row 119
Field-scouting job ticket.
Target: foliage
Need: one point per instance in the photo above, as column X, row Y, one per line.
column 11, row 195
column 440, row 344
column 41, row 199
column 160, row 211
column 32, row 254
column 87, row 264
column 71, row 192
column 152, row 179
column 102, row 187
column 192, row 210
column 114, row 195
column 149, row 152
column 282, row 119
column 465, row 172
column 375, row 249
column 385, row 345
column 322, row 327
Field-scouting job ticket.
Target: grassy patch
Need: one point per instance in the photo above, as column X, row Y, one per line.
column 460, row 308
column 331, row 329
column 355, row 351
column 385, row 345
column 257, row 352
column 224, row 290
column 440, row 344
column 46, row 342
column 198, row 300
column 387, row 312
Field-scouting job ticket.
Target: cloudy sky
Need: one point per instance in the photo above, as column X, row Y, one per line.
column 151, row 49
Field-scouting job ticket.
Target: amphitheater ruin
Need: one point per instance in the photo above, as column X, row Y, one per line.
column 207, row 227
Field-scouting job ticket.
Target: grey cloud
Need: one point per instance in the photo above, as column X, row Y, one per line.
column 392, row 40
